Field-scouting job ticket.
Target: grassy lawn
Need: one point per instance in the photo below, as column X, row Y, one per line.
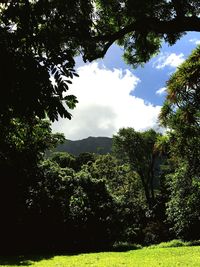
column 146, row 257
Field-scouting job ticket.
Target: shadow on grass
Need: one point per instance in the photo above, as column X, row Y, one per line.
column 27, row 260
column 21, row 260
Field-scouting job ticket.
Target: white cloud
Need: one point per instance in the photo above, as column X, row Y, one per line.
column 168, row 60
column 195, row 41
column 105, row 104
column 161, row 91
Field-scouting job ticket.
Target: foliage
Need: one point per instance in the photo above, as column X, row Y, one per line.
column 172, row 244
column 183, row 97
column 39, row 40
column 181, row 113
column 84, row 159
column 140, row 26
column 56, row 201
column 119, row 177
column 41, row 199
column 64, row 159
column 125, row 186
column 184, row 199
column 97, row 145
column 138, row 149
column 125, row 246
column 22, row 146
column 72, row 206
column 27, row 135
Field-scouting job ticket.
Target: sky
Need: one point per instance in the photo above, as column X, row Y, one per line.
column 113, row 95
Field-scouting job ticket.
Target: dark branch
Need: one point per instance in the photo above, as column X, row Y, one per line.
column 176, row 25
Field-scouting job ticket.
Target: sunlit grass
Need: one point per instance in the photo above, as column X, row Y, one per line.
column 146, row 257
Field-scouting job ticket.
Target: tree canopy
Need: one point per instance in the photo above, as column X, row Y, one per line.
column 39, row 40
column 181, row 111
column 181, row 114
column 183, row 96
column 140, row 26
column 138, row 149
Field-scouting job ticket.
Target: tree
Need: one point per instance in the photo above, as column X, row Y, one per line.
column 69, row 210
column 125, row 186
column 181, row 114
column 181, row 111
column 138, row 149
column 84, row 158
column 22, row 147
column 64, row 159
column 122, row 181
column 140, row 26
column 39, row 40
column 184, row 199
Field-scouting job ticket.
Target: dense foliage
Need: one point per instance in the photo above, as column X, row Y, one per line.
column 39, row 40
column 181, row 114
column 67, row 202
column 138, row 149
column 140, row 26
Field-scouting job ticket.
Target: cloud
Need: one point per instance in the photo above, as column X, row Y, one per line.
column 106, row 104
column 161, row 91
column 168, row 60
column 195, row 41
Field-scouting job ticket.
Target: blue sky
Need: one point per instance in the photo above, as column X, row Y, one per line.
column 151, row 78
column 113, row 95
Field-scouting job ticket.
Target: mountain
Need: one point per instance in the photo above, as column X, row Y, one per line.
column 98, row 145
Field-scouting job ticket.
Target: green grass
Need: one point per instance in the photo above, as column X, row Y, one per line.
column 147, row 257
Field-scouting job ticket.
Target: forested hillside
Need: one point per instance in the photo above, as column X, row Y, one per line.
column 98, row 145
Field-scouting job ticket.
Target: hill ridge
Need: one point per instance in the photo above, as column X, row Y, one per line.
column 99, row 145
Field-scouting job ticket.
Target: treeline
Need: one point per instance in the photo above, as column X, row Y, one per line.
column 87, row 202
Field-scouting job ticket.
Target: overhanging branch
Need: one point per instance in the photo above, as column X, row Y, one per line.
column 174, row 26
